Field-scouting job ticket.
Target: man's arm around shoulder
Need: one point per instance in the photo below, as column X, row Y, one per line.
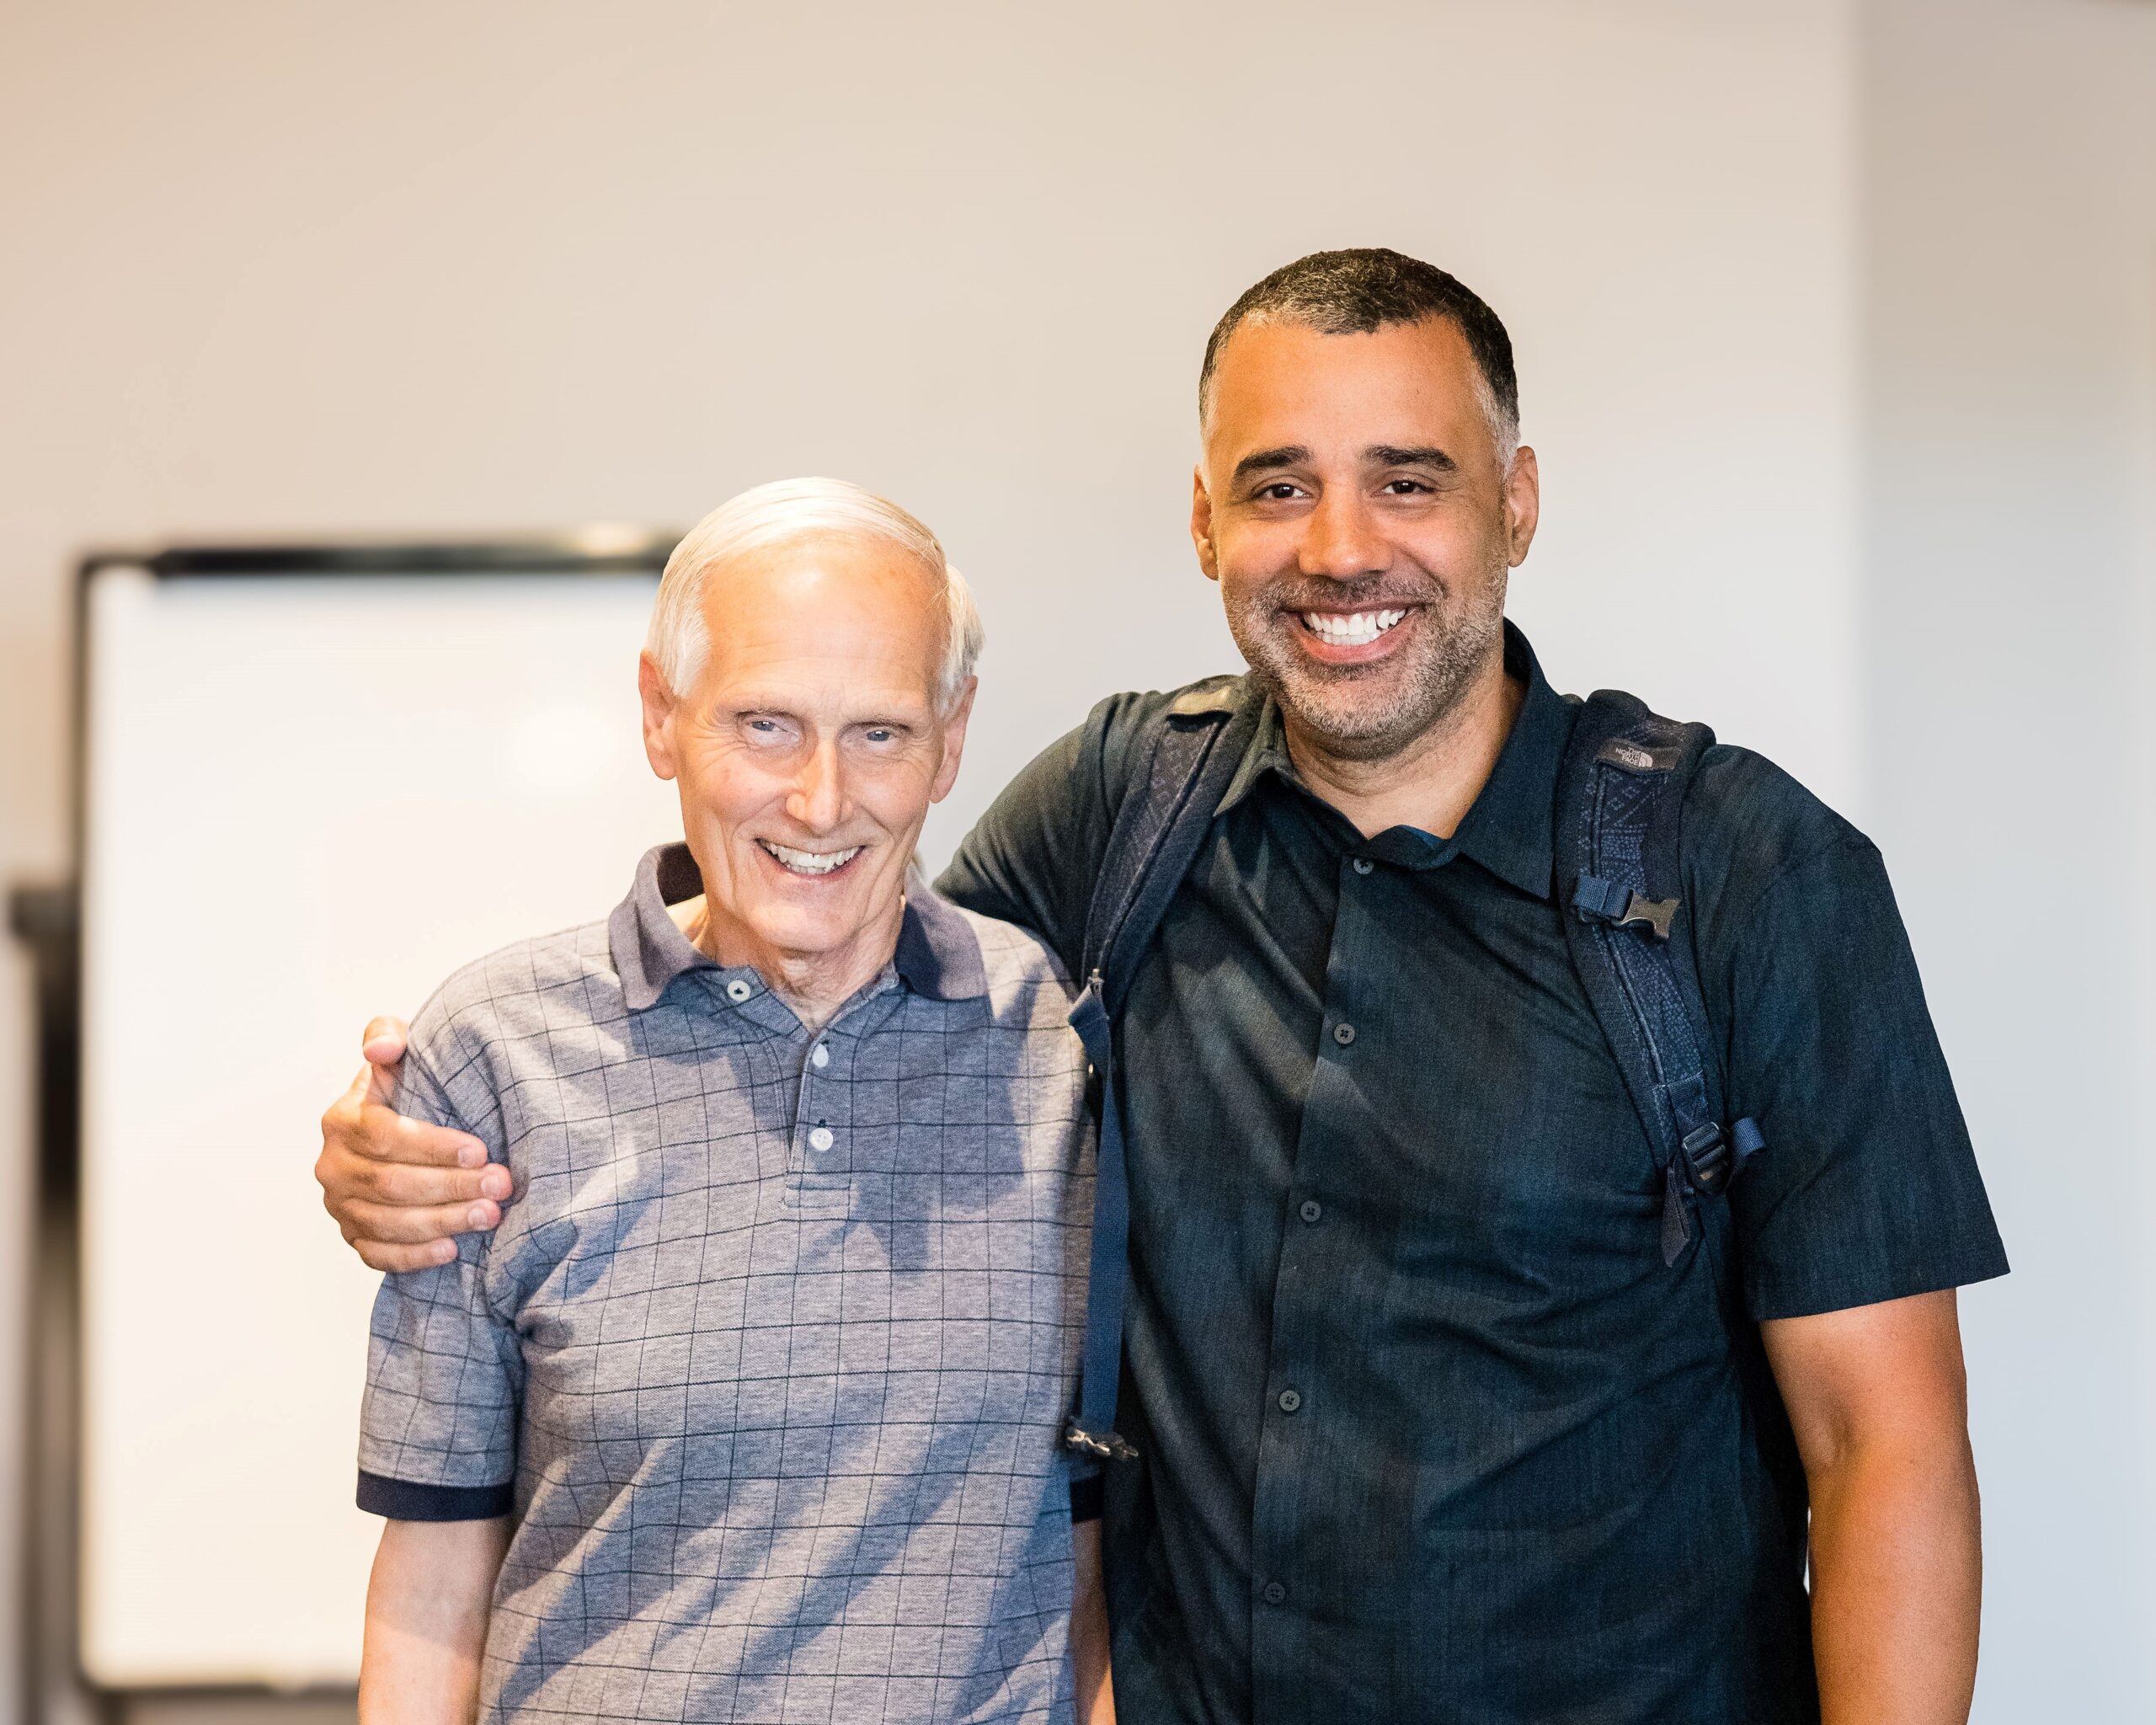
column 1032, row 858
column 400, row 1189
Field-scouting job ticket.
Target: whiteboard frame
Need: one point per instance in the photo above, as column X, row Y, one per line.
column 56, row 1679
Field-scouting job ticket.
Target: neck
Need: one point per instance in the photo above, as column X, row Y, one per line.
column 814, row 985
column 1432, row 780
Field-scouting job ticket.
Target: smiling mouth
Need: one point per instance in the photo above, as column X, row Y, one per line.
column 809, row 862
column 1353, row 628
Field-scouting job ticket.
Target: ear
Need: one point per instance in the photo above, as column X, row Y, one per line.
column 659, row 710
column 1523, row 503
column 954, row 741
column 1201, row 524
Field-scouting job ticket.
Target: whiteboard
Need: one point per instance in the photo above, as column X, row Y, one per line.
column 308, row 799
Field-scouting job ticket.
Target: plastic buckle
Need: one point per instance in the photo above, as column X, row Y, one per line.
column 1108, row 1447
column 1606, row 901
column 1707, row 1156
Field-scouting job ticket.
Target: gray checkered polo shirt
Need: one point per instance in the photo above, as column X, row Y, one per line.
column 769, row 1355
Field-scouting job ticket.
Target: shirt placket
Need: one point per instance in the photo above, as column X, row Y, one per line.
column 821, row 1158
column 1305, row 1428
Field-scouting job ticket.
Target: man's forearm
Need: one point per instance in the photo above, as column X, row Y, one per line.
column 426, row 1626
column 1095, row 1700
column 1897, row 1582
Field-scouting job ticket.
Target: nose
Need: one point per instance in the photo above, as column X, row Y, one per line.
column 1341, row 538
column 818, row 800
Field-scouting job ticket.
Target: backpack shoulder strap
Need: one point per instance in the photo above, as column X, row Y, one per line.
column 1196, row 745
column 1618, row 846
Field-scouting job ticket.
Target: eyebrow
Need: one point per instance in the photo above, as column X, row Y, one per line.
column 1261, row 461
column 1382, row 455
column 1386, row 455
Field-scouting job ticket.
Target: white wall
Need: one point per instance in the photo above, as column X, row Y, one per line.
column 405, row 267
column 409, row 269
column 2010, row 652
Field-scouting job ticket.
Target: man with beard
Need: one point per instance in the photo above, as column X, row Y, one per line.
column 1449, row 1399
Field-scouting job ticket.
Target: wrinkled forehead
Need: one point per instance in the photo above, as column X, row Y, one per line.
column 826, row 610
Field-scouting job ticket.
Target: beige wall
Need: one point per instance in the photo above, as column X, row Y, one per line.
column 2010, row 630
column 464, row 268
column 411, row 268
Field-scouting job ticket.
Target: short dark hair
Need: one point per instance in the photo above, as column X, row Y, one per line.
column 1355, row 292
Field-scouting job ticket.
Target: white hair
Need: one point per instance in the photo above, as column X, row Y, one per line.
column 793, row 509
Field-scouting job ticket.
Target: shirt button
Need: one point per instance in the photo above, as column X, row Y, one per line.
column 819, row 1055
column 821, row 1139
column 1274, row 1594
column 1362, row 865
column 738, row 990
column 1290, row 1400
column 1311, row 1209
column 1343, row 1033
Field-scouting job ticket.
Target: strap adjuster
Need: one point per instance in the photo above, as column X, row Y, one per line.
column 1713, row 1158
column 1105, row 1446
column 1707, row 1157
column 1613, row 902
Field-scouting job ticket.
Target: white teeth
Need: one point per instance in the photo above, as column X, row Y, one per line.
column 1353, row 629
column 809, row 862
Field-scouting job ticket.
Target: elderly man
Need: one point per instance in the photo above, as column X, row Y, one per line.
column 1465, row 1382
column 750, row 1409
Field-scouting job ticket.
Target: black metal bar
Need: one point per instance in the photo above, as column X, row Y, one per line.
column 639, row 554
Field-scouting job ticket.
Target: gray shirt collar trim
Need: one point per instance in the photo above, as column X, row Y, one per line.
column 938, row 955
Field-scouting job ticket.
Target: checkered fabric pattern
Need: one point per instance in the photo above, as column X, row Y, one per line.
column 770, row 1355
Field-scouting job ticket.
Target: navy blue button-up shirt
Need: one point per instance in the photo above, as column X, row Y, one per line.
column 1429, row 1430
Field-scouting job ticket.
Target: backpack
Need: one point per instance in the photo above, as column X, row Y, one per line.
column 1617, row 836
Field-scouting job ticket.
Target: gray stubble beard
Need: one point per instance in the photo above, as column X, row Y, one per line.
column 1431, row 685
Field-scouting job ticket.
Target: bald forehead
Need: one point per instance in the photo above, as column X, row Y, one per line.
column 861, row 607
column 830, row 556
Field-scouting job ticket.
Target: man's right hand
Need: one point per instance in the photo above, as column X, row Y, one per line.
column 400, row 1189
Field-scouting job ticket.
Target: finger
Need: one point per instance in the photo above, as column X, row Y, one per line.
column 352, row 1179
column 412, row 1225
column 384, row 1135
column 385, row 1040
column 359, row 1090
column 379, row 1257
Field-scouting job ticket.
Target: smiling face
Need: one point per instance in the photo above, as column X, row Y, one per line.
column 1352, row 504
column 808, row 750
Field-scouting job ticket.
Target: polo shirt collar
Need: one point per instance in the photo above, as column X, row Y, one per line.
column 938, row 954
column 1509, row 828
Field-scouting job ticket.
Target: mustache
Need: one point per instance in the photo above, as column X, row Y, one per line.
column 1380, row 593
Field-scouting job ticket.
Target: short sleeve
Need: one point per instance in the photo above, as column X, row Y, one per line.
column 438, row 1422
column 1869, row 1189
column 1027, row 860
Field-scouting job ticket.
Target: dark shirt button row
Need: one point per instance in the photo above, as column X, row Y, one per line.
column 1290, row 1400
column 1274, row 1593
column 1311, row 1209
column 1343, row 1033
column 1361, row 865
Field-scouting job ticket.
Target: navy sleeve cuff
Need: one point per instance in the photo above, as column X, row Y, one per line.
column 403, row 1500
column 1770, row 1298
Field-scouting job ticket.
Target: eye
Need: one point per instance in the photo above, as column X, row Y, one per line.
column 1405, row 488
column 1279, row 491
column 768, row 730
column 881, row 734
